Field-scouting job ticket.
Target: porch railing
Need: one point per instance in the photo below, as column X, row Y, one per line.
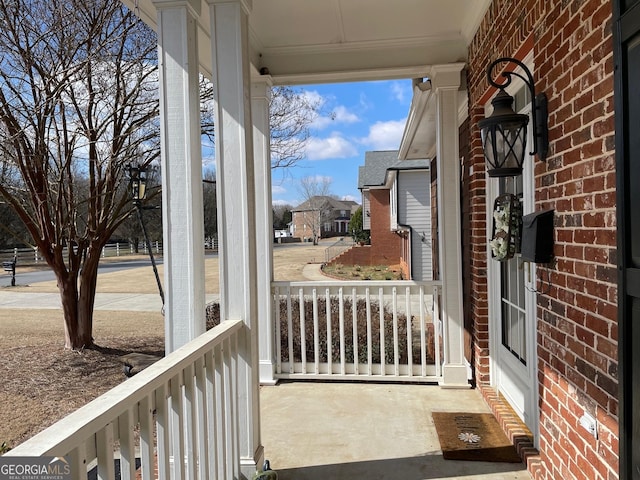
column 360, row 330
column 182, row 407
column 338, row 248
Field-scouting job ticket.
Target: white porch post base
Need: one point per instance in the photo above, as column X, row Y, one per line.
column 455, row 376
column 267, row 373
column 249, row 466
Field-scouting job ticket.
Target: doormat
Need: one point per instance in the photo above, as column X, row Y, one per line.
column 473, row 436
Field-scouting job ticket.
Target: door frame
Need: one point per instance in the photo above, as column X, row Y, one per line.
column 497, row 365
column 626, row 25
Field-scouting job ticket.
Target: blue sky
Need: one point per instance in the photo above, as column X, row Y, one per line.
column 357, row 117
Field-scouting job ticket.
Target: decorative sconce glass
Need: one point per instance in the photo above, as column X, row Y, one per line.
column 504, row 132
column 138, row 179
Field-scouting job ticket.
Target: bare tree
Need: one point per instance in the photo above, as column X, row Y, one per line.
column 316, row 209
column 210, row 207
column 78, row 104
column 207, row 109
column 291, row 112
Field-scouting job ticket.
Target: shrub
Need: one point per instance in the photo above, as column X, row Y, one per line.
column 213, row 318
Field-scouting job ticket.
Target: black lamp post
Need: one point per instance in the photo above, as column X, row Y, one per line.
column 504, row 133
column 138, row 182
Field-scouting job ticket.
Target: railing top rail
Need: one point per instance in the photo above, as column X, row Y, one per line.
column 342, row 241
column 358, row 283
column 66, row 434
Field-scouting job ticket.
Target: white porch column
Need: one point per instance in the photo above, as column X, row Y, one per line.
column 260, row 96
column 183, row 218
column 237, row 208
column 445, row 80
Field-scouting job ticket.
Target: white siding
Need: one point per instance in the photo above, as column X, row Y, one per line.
column 414, row 210
column 393, row 206
column 366, row 211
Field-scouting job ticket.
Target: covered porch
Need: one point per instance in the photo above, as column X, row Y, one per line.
column 377, row 430
column 187, row 406
column 203, row 402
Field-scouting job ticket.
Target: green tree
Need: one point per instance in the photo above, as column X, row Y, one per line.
column 282, row 216
column 355, row 228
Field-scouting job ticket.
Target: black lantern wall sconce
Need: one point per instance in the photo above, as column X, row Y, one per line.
column 504, row 132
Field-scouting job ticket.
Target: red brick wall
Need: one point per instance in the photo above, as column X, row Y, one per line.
column 577, row 330
column 386, row 245
column 302, row 228
column 357, row 255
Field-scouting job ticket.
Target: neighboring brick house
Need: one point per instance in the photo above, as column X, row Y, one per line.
column 397, row 212
column 322, row 217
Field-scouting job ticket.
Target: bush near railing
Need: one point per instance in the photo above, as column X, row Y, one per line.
column 212, row 313
column 213, row 319
column 361, row 321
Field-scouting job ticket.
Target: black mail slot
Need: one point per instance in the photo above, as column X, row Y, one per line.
column 537, row 237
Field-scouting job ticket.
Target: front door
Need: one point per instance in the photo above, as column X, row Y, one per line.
column 512, row 302
column 627, row 46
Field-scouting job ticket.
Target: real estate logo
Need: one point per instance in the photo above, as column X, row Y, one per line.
column 34, row 468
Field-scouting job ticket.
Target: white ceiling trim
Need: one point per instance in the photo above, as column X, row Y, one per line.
column 340, row 19
column 420, row 42
column 353, row 75
column 431, row 33
column 473, row 19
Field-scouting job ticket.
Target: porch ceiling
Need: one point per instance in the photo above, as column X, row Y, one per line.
column 313, row 41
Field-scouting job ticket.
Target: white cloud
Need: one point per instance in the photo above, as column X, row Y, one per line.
column 318, row 179
column 333, row 146
column 342, row 115
column 278, row 190
column 401, row 91
column 313, row 97
column 352, row 198
column 365, row 103
column 385, row 135
column 339, row 115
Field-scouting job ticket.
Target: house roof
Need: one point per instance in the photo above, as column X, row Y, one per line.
column 378, row 163
column 313, row 202
column 375, row 168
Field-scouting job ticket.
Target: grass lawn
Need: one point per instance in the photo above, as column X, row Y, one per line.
column 41, row 382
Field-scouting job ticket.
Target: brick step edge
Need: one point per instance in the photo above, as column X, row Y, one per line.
column 515, row 429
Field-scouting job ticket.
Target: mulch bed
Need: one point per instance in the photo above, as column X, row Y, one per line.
column 43, row 383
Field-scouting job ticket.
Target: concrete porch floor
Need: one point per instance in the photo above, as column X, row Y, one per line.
column 339, row 431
